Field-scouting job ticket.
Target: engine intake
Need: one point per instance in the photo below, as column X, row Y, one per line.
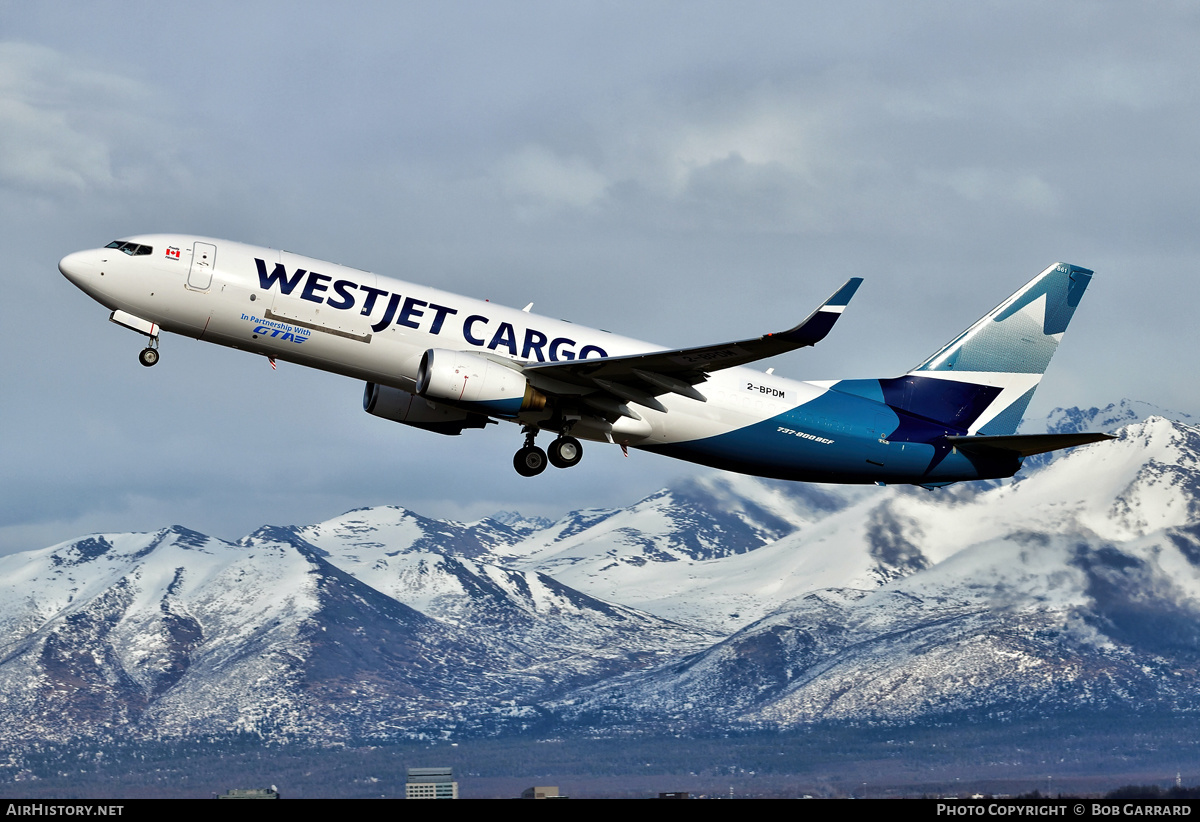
column 467, row 379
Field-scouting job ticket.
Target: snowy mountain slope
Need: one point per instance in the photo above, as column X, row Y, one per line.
column 526, row 611
column 868, row 536
column 392, row 530
column 666, row 545
column 94, row 629
column 1029, row 624
column 727, row 592
column 1079, row 585
column 174, row 632
column 708, row 517
column 1076, row 585
column 1145, row 480
column 1107, row 419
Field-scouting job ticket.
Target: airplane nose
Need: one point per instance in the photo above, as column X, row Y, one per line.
column 77, row 267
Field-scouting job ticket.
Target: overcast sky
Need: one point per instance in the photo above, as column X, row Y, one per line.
column 683, row 173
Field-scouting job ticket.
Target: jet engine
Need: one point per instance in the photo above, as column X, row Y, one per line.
column 400, row 406
column 466, row 378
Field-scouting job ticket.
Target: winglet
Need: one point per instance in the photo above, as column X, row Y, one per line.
column 820, row 322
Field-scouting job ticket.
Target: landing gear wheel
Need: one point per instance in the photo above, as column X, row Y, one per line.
column 148, row 357
column 530, row 461
column 565, row 452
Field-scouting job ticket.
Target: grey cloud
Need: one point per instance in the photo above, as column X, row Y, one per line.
column 682, row 173
column 71, row 127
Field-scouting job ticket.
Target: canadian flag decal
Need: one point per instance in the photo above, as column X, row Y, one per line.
column 172, row 252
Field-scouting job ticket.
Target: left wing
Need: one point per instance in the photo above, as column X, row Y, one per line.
column 639, row 378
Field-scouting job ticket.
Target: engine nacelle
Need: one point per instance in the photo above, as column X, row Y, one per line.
column 465, row 378
column 400, row 406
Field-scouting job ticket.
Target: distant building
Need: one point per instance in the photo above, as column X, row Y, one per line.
column 674, row 795
column 431, row 783
column 542, row 792
column 250, row 793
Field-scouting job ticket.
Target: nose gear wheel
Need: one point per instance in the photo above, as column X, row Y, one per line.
column 149, row 354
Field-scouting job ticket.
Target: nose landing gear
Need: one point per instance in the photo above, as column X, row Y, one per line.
column 530, row 461
column 149, row 354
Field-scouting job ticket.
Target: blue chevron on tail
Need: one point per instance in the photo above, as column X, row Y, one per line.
column 1010, row 348
column 981, row 382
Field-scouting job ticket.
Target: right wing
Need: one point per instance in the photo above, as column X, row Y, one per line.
column 607, row 383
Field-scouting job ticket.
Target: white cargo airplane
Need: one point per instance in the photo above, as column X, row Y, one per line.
column 445, row 363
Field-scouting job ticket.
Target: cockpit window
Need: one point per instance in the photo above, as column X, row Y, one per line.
column 132, row 249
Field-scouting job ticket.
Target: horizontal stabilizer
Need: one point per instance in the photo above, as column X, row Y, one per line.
column 1026, row 444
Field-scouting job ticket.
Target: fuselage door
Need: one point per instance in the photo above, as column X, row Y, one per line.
column 204, row 259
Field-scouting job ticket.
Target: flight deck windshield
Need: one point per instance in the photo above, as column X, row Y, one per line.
column 132, row 249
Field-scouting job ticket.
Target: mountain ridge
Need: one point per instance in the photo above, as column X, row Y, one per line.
column 722, row 602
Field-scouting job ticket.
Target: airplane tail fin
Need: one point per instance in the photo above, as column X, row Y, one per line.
column 1004, row 354
column 982, row 381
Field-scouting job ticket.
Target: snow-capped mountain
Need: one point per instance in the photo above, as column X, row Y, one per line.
column 687, row 553
column 782, row 540
column 1109, row 418
column 724, row 601
column 174, row 633
column 1078, row 586
column 415, row 561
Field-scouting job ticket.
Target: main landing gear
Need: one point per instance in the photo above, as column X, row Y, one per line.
column 530, row 461
column 565, row 452
column 149, row 354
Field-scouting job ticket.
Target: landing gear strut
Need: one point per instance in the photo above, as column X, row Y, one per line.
column 530, row 460
column 149, row 355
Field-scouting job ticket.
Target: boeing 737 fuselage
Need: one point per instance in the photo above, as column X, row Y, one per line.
column 446, row 363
